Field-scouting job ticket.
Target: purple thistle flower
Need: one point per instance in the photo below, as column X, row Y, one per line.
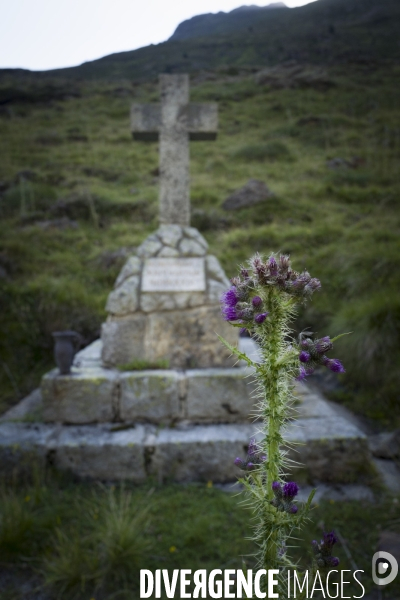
column 329, row 539
column 323, row 345
column 293, row 509
column 304, row 356
column 230, row 297
column 230, row 314
column 334, row 365
column 276, row 486
column 261, row 318
column 333, row 561
column 290, row 489
column 256, row 301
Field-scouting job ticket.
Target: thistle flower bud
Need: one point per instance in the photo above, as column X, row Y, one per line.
column 258, row 267
column 253, row 448
column 302, row 280
column 238, row 462
column 284, row 262
column 293, row 509
column 290, row 490
column 334, row 365
column 282, row 550
column 323, row 345
column 304, row 372
column 329, row 539
column 314, row 284
column 260, row 318
column 276, row 487
column 256, row 301
column 304, row 356
column 246, row 314
column 244, row 273
column 273, row 267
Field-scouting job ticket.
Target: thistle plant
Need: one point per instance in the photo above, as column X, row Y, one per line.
column 263, row 301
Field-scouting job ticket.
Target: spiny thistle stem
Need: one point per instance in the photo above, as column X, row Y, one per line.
column 263, row 300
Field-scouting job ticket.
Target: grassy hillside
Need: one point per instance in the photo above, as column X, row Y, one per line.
column 77, row 195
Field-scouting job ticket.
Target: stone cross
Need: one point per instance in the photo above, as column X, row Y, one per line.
column 174, row 122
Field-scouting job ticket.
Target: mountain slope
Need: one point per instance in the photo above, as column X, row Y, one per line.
column 323, row 32
column 222, row 23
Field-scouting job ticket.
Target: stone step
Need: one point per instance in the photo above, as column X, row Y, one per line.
column 330, row 448
column 163, row 397
column 94, row 394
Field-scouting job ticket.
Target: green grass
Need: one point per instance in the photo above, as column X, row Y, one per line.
column 81, row 540
column 341, row 224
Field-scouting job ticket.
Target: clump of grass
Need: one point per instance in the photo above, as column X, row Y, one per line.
column 139, row 364
column 274, row 150
column 107, row 553
column 73, row 567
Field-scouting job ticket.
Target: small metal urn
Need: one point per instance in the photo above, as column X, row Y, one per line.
column 65, row 347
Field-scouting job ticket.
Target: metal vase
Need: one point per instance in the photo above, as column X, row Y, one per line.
column 65, row 346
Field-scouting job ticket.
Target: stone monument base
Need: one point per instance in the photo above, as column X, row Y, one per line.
column 103, row 424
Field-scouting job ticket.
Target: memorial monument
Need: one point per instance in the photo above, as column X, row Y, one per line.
column 165, row 304
column 190, row 420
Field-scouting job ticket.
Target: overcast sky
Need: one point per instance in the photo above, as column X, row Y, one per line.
column 47, row 34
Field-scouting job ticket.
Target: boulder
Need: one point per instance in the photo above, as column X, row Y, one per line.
column 252, row 193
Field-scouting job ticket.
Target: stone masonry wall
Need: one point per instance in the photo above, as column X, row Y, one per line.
column 179, row 326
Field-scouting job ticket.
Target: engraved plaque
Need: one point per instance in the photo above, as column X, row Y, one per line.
column 174, row 275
